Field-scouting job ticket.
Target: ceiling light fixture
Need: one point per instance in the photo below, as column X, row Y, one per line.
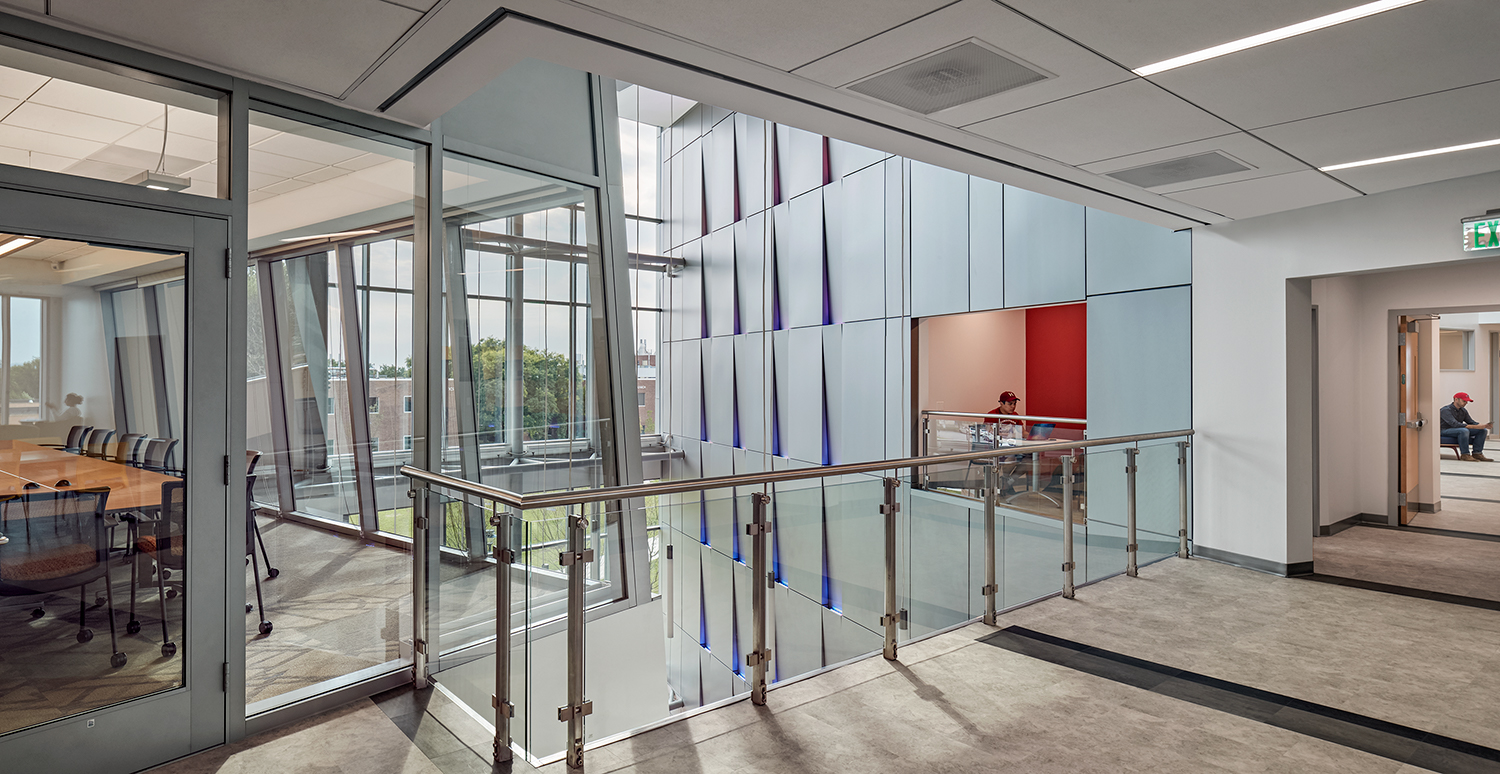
column 334, row 235
column 158, row 179
column 1416, row 155
column 15, row 244
column 1301, row 28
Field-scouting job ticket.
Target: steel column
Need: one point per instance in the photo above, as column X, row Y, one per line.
column 991, row 494
column 1067, row 512
column 577, row 707
column 892, row 618
column 1130, row 545
column 761, row 579
column 356, row 383
column 1182, row 500
column 504, row 557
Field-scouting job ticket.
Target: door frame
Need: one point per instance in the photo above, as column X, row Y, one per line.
column 169, row 724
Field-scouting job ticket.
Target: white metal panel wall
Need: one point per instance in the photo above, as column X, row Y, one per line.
column 859, row 433
column 536, row 110
column 752, row 272
column 986, row 244
column 799, row 260
column 857, row 276
column 753, row 171
column 1125, row 254
column 804, row 409
column 939, row 240
column 845, row 158
column 720, row 296
column 1140, row 362
column 750, row 377
column 718, row 176
column 799, row 161
column 1043, row 249
column 719, row 391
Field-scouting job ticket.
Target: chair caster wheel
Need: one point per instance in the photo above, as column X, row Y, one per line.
column 99, row 600
column 38, row 613
column 117, row 660
column 84, row 635
column 168, row 649
column 134, row 627
column 272, row 573
column 249, row 607
column 265, row 627
column 171, row 593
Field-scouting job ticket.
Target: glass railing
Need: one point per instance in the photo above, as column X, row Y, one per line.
column 625, row 607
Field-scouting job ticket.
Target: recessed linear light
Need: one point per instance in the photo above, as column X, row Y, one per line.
column 1416, row 155
column 15, row 244
column 1301, row 28
column 334, row 235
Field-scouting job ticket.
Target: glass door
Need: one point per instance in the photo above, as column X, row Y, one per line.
column 114, row 347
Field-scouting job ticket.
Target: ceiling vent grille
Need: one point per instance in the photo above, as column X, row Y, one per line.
column 1174, row 171
column 944, row 79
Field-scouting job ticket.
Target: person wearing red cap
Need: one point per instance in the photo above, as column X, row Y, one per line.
column 1460, row 428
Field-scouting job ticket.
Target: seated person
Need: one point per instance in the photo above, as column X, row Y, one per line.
column 1460, row 428
column 1007, row 407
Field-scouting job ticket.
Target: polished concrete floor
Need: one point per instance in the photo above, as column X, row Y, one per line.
column 954, row 703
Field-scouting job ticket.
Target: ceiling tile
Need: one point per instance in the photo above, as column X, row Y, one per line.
column 100, row 170
column 280, row 166
column 1264, row 160
column 782, row 33
column 67, row 123
column 323, row 46
column 1262, row 196
column 46, row 142
column 191, row 123
column 306, row 149
column 363, row 162
column 97, row 102
column 6, row 105
column 178, row 145
column 1118, row 120
column 144, row 159
column 1456, row 117
column 323, row 173
column 17, row 157
column 19, row 84
column 415, row 5
column 285, row 186
column 1075, row 69
column 1400, row 174
column 1414, row 50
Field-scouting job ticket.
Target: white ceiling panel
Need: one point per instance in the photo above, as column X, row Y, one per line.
column 1400, row 174
column 1456, row 117
column 323, row 46
column 19, row 84
column 1262, row 196
column 280, row 166
column 363, row 162
column 1139, row 116
column 100, row 170
column 144, row 159
column 17, row 157
column 317, row 151
column 67, row 123
column 1422, row 48
column 6, row 105
column 1263, row 159
column 1076, row 69
column 193, row 124
column 323, row 173
column 97, row 102
column 782, row 33
column 285, row 187
column 44, row 142
column 415, row 5
column 178, row 145
column 1136, row 33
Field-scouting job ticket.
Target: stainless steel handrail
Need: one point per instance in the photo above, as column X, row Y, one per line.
column 1027, row 417
column 554, row 499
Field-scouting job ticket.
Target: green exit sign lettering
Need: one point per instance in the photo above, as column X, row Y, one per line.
column 1482, row 233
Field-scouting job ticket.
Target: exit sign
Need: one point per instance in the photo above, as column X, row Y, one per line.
column 1482, row 233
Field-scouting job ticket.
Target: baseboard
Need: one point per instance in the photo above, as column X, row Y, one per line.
column 1253, row 562
column 1429, row 507
column 1340, row 525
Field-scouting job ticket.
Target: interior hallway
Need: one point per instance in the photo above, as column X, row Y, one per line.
column 1193, row 667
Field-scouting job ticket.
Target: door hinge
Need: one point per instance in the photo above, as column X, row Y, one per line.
column 229, row 264
column 1401, row 419
column 225, row 687
column 1401, row 499
column 226, row 470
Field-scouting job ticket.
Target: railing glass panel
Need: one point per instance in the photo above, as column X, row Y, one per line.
column 1158, row 505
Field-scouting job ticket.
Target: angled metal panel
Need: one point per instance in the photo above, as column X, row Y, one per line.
column 1124, row 254
column 720, row 192
column 858, row 277
column 835, row 411
column 750, row 376
column 804, row 408
column 752, row 276
column 862, row 395
column 986, row 244
column 939, row 240
column 750, row 158
column 799, row 161
column 846, row 158
column 721, row 294
column 720, row 392
column 1043, row 249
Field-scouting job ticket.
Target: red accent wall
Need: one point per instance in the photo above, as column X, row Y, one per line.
column 1056, row 361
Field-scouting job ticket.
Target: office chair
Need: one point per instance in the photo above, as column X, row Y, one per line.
column 252, row 457
column 72, row 553
column 159, row 456
column 127, row 451
column 98, row 444
column 251, row 533
column 75, row 442
column 166, row 545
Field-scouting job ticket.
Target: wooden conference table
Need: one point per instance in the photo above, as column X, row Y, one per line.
column 130, row 489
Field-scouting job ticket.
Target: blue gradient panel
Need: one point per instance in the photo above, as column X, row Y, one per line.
column 702, row 519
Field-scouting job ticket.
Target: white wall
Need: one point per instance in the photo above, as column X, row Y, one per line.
column 1253, row 467
column 969, row 359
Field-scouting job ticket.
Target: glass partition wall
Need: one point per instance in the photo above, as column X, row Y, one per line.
column 329, row 402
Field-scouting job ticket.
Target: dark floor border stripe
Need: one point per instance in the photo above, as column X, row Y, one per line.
column 1469, row 475
column 1456, row 533
column 1361, row 732
column 1471, row 499
column 1405, row 591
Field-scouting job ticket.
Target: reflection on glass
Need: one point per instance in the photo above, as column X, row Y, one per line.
column 329, row 393
column 91, row 478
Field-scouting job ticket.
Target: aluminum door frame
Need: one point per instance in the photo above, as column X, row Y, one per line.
column 143, row 732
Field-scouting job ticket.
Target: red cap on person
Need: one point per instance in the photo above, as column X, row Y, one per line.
column 1463, row 396
column 1008, row 397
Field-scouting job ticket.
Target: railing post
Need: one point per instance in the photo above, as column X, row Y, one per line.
column 1182, row 499
column 505, row 556
column 892, row 618
column 1067, row 513
column 577, row 707
column 420, row 546
column 762, row 578
column 1130, row 545
column 926, row 431
column 990, row 496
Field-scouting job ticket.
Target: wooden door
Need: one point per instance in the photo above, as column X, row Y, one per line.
column 1407, row 344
